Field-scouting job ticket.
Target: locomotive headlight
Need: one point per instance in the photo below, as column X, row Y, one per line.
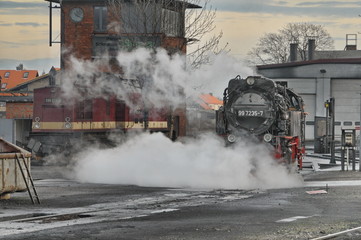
column 285, row 116
column 36, row 125
column 267, row 137
column 67, row 125
column 250, row 80
column 231, row 138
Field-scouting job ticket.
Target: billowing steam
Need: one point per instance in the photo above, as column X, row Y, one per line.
column 154, row 160
column 159, row 77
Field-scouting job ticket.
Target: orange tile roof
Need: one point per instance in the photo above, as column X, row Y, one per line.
column 210, row 99
column 205, row 106
column 12, row 78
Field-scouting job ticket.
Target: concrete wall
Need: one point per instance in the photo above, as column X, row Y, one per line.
column 7, row 131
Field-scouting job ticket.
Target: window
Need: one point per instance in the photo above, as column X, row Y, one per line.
column 310, row 123
column 55, row 101
column 171, row 23
column 357, row 123
column 347, row 123
column 85, row 109
column 3, row 85
column 100, row 19
column 282, row 83
column 7, row 74
column 26, row 75
column 337, row 123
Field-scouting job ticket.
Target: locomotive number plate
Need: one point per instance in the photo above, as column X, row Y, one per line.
column 250, row 113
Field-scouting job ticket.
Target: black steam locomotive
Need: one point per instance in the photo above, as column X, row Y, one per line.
column 260, row 107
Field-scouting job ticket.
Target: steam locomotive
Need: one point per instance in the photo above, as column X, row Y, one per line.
column 270, row 112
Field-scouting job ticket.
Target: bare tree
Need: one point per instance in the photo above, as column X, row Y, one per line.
column 275, row 47
column 198, row 30
column 190, row 19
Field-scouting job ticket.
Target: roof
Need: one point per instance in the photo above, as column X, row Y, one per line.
column 13, row 78
column 188, row 5
column 21, row 86
column 318, row 61
column 16, row 98
column 210, row 99
column 337, row 54
column 205, row 106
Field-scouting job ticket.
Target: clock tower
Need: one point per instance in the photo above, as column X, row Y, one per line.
column 92, row 28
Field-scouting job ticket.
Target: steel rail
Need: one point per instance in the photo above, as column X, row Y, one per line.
column 336, row 234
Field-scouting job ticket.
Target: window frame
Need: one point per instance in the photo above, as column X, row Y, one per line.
column 85, row 109
column 100, row 21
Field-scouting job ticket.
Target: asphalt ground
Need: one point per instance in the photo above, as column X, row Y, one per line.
column 328, row 203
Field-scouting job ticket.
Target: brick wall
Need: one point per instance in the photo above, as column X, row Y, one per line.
column 77, row 37
column 77, row 40
column 19, row 110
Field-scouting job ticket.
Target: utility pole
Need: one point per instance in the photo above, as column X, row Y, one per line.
column 359, row 149
column 330, row 119
column 332, row 115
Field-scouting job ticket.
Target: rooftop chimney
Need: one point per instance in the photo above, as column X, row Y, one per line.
column 20, row 67
column 293, row 52
column 311, row 48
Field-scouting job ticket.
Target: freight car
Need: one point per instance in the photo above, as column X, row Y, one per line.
column 60, row 124
column 260, row 107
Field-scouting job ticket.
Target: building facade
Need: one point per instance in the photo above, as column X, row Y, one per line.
column 327, row 74
column 98, row 29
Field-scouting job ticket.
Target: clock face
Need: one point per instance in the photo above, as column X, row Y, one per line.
column 76, row 14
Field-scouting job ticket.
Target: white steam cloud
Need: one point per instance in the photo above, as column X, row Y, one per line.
column 164, row 77
column 154, row 160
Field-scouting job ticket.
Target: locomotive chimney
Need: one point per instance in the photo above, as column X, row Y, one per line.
column 293, row 52
column 311, row 48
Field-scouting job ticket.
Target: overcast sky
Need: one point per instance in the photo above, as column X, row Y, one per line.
column 24, row 26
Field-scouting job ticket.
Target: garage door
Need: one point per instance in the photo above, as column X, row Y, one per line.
column 347, row 103
column 347, row 100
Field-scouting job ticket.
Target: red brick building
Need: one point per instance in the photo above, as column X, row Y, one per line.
column 19, row 110
column 91, row 28
column 16, row 103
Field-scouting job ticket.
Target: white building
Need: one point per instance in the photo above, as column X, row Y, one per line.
column 327, row 74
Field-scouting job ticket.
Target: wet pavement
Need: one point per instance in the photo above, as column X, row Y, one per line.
column 327, row 203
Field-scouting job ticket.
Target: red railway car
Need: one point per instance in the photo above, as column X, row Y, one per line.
column 59, row 124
